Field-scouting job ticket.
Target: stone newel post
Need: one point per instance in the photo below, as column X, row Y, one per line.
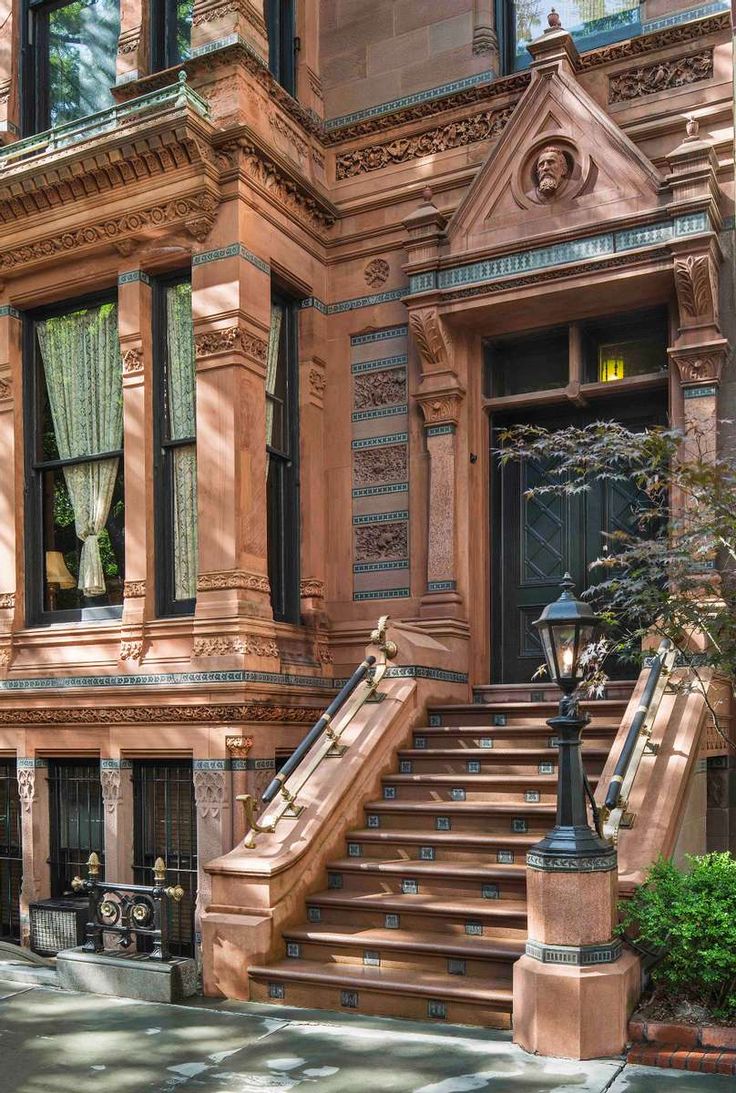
column 33, row 790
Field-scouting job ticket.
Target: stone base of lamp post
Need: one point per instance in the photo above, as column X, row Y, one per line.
column 573, row 1011
column 576, row 986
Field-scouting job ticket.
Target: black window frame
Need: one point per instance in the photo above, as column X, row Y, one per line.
column 167, row 605
column 163, row 45
column 65, row 781
column 34, row 82
column 283, row 43
column 505, row 34
column 283, row 511
column 34, row 469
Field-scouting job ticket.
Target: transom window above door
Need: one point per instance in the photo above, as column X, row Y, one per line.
column 591, row 359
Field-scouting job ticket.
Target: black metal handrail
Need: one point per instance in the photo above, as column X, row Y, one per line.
column 317, row 729
column 128, row 910
column 613, row 794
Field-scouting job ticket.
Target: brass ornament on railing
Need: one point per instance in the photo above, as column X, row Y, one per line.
column 327, row 730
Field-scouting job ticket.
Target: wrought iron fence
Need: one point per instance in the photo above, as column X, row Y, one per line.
column 131, row 912
column 165, row 826
column 11, row 851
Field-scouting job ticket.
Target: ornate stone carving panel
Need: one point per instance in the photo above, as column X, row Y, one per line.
column 209, row 792
column 662, row 76
column 374, row 465
column 381, row 542
column 376, row 389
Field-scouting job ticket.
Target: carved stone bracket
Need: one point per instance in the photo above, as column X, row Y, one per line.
column 430, row 335
column 697, row 292
column 209, row 792
column 250, row 645
column 310, row 587
column 227, row 339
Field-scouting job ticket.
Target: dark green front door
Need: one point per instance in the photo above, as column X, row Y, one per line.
column 537, row 540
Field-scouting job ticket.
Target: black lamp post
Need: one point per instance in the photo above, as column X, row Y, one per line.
column 566, row 627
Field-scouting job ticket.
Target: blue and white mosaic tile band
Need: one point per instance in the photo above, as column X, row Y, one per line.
column 383, row 594
column 168, row 679
column 116, row 764
column 354, row 304
column 7, row 311
column 132, row 276
column 233, row 251
column 400, row 409
column 209, row 764
column 700, row 12
column 381, row 364
column 380, row 517
column 379, row 441
column 380, row 567
column 374, row 491
column 440, row 430
column 439, row 92
column 701, row 392
column 25, row 762
column 577, row 250
column 380, row 335
column 225, row 43
column 441, row 586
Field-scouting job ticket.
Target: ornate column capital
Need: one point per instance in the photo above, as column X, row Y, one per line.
column 441, row 407
column 700, row 364
column 431, row 337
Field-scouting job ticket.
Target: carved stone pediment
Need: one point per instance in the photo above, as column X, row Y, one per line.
column 561, row 166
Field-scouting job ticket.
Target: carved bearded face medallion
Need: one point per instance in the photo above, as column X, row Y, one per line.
column 550, row 171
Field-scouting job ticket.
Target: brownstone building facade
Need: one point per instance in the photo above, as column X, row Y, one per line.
column 270, row 276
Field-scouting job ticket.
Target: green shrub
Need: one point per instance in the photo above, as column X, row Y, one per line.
column 690, row 918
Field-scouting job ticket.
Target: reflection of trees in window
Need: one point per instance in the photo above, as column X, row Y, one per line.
column 531, row 16
column 82, row 47
column 171, row 32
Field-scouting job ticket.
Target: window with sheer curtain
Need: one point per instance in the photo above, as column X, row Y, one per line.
column 176, row 427
column 75, row 539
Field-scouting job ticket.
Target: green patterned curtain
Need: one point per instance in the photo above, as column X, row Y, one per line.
column 182, row 425
column 83, row 370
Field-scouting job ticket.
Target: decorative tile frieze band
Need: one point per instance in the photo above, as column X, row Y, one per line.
column 700, row 392
column 380, row 441
column 378, row 491
column 441, row 586
column 440, row 92
column 440, row 430
column 662, row 76
column 354, row 304
column 6, row 311
column 163, row 679
column 132, row 276
column 679, row 17
column 383, row 594
column 30, row 763
column 381, row 364
column 209, row 764
column 580, row 956
column 379, row 335
column 233, row 251
column 383, row 412
column 381, row 567
column 116, row 764
column 418, row 671
column 576, row 250
column 380, row 517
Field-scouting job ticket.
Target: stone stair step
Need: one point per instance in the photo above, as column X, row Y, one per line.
column 471, row 917
column 432, row 952
column 461, row 880
column 490, row 738
column 493, row 788
column 482, row 816
column 453, row 846
column 419, row 995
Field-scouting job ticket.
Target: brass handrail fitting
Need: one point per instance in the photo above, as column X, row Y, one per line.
column 321, row 742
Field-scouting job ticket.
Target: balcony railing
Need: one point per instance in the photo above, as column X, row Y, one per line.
column 176, row 95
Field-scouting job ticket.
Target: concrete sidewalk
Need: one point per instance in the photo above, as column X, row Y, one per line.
column 54, row 1041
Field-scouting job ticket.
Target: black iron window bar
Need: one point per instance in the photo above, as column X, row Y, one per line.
column 128, row 910
column 615, row 812
column 321, row 742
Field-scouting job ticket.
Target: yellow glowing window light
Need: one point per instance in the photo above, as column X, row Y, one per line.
column 611, row 362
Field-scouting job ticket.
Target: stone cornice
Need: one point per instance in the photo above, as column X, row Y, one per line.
column 171, row 140
column 194, row 211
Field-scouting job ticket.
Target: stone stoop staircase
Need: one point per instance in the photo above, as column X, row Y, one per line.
column 426, row 914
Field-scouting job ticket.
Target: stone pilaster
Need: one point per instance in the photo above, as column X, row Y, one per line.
column 33, row 790
column 212, row 797
column 441, row 411
column 134, row 325
column 133, row 42
column 313, row 381
column 116, row 776
column 215, row 20
column 231, row 290
column 9, row 58
column 12, row 609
